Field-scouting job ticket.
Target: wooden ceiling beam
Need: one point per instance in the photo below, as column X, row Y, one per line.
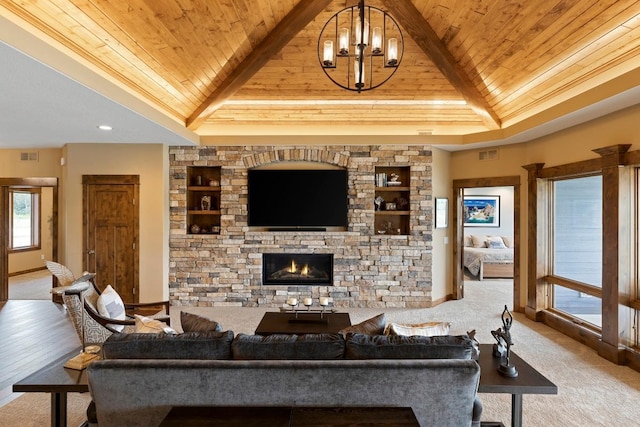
column 303, row 13
column 426, row 38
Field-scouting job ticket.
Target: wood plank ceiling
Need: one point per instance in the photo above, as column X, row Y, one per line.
column 468, row 66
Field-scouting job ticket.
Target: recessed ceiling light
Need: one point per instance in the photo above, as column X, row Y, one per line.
column 104, row 127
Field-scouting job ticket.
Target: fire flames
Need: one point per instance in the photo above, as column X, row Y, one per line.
column 294, row 269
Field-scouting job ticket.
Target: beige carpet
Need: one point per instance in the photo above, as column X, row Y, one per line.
column 592, row 391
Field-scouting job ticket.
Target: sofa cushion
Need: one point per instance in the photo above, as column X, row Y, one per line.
column 190, row 345
column 360, row 346
column 286, row 346
column 149, row 325
column 427, row 329
column 373, row 326
column 193, row 323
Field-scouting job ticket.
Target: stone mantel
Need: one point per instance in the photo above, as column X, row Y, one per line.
column 370, row 270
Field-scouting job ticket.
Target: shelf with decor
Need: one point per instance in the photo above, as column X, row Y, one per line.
column 203, row 199
column 392, row 198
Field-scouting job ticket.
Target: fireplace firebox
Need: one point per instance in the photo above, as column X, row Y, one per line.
column 297, row 269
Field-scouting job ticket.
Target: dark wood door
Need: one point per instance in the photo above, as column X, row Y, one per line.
column 111, row 232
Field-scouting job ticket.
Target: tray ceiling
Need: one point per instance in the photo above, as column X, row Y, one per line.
column 244, row 66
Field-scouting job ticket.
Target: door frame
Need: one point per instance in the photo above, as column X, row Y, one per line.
column 458, row 195
column 5, row 183
column 133, row 180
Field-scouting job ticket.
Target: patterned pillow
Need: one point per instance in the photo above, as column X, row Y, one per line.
column 495, row 242
column 147, row 325
column 428, row 329
column 110, row 305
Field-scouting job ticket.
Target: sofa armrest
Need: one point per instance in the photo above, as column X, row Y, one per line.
column 477, row 412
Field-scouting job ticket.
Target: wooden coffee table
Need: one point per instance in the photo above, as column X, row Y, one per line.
column 201, row 416
column 302, row 323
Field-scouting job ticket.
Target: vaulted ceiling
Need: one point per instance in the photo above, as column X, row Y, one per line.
column 233, row 67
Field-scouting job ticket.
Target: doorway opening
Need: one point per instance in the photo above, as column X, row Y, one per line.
column 487, row 233
column 23, row 248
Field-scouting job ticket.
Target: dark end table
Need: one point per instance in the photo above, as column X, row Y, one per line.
column 302, row 323
column 528, row 381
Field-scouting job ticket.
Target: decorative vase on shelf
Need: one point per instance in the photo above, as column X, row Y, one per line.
column 195, row 229
column 205, row 203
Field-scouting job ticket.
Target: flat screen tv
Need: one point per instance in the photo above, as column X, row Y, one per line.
column 297, row 199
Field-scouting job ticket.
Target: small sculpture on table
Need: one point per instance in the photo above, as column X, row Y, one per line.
column 502, row 349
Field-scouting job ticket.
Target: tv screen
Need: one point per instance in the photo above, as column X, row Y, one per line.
column 297, row 198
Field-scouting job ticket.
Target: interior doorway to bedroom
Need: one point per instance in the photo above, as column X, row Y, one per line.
column 486, row 234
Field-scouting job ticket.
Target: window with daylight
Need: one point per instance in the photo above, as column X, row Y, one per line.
column 24, row 214
column 577, row 247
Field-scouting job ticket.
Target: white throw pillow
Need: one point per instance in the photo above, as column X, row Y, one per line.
column 110, row 305
column 148, row 325
column 428, row 329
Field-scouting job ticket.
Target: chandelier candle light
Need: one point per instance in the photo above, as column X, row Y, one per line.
column 358, row 64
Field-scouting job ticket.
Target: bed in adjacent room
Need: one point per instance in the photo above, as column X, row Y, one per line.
column 488, row 256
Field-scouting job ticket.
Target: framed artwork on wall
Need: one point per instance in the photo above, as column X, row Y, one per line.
column 481, row 211
column 442, row 212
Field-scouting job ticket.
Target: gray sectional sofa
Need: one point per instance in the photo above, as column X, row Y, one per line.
column 142, row 376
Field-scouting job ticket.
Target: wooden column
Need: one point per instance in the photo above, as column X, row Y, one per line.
column 612, row 159
column 536, row 301
column 4, row 244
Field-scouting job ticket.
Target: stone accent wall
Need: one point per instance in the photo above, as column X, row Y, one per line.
column 370, row 270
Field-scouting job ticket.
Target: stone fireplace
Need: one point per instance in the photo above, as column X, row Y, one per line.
column 367, row 269
column 297, row 269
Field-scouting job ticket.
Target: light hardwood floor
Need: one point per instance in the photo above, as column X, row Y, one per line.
column 32, row 334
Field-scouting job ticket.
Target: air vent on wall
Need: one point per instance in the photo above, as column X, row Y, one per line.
column 488, row 155
column 29, row 156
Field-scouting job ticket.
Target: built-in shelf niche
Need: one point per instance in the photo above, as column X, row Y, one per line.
column 392, row 200
column 203, row 199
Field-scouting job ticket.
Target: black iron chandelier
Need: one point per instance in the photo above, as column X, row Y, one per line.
column 349, row 58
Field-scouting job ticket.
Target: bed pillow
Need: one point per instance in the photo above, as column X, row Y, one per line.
column 508, row 241
column 468, row 243
column 495, row 242
column 479, row 241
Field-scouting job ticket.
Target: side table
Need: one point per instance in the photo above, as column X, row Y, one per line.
column 54, row 378
column 528, row 381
